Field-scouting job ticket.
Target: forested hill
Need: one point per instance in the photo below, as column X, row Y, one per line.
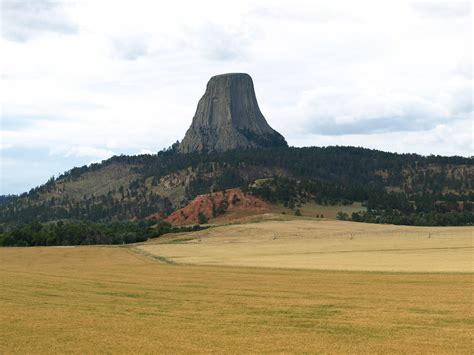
column 136, row 187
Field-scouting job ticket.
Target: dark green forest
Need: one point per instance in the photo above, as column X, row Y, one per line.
column 85, row 233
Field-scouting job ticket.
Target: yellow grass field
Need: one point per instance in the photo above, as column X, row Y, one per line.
column 323, row 244
column 125, row 299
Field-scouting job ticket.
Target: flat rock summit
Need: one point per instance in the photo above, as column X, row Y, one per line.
column 228, row 117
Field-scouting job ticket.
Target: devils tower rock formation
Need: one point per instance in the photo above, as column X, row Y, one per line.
column 228, row 117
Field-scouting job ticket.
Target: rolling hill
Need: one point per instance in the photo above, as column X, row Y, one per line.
column 134, row 187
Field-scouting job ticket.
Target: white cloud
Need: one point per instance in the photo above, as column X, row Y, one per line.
column 81, row 151
column 25, row 19
column 339, row 111
column 445, row 139
column 443, row 9
column 131, row 47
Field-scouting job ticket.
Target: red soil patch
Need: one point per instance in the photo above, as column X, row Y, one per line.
column 215, row 205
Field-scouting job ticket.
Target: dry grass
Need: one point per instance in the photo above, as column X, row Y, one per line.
column 111, row 300
column 323, row 244
column 278, row 211
column 97, row 182
column 313, row 209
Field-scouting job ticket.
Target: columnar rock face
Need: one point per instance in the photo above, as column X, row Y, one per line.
column 228, row 117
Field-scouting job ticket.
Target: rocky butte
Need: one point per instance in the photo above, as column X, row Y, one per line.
column 228, row 117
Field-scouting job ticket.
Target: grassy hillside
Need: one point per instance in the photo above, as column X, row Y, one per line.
column 112, row 300
column 134, row 187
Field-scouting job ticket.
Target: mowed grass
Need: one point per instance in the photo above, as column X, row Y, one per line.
column 322, row 244
column 113, row 300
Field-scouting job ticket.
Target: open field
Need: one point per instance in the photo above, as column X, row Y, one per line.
column 310, row 210
column 112, row 300
column 323, row 244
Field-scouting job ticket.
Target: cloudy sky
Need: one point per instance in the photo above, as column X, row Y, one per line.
column 84, row 80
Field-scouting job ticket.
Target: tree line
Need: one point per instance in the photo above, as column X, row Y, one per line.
column 71, row 232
